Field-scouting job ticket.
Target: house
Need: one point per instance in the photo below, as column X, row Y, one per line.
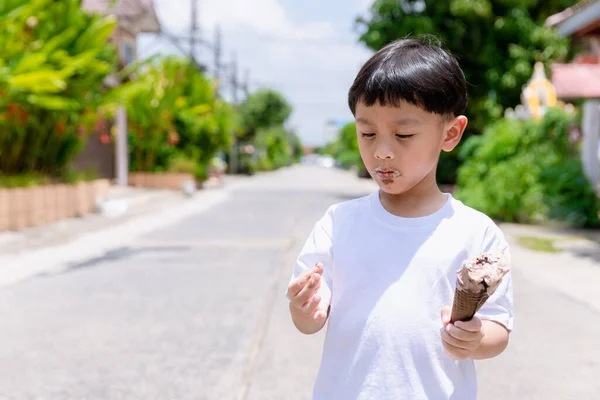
column 135, row 17
column 580, row 79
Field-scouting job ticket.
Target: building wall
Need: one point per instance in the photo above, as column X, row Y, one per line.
column 97, row 154
column 126, row 44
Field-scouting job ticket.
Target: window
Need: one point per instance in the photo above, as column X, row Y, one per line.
column 127, row 52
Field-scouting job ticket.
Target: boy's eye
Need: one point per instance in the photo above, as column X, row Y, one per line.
column 368, row 135
column 399, row 136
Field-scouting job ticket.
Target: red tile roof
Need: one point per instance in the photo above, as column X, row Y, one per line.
column 556, row 19
column 576, row 80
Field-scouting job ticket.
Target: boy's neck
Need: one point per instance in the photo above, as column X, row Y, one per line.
column 422, row 200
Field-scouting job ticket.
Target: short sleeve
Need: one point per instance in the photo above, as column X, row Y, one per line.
column 318, row 249
column 500, row 306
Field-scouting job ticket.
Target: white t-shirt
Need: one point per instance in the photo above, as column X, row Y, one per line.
column 390, row 277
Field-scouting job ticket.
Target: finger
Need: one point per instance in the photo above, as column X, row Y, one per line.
column 446, row 314
column 459, row 344
column 319, row 268
column 311, row 306
column 301, row 298
column 296, row 286
column 455, row 352
column 320, row 315
column 473, row 325
column 460, row 334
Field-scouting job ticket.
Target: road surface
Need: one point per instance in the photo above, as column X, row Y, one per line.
column 197, row 311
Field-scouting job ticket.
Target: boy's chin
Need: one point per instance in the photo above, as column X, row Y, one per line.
column 391, row 188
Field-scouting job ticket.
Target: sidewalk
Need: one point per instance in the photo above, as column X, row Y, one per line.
column 52, row 247
column 131, row 202
column 574, row 270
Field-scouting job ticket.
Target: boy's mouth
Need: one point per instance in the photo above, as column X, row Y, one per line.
column 386, row 174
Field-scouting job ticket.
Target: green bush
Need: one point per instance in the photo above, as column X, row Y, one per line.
column 527, row 171
column 447, row 168
column 69, row 176
column 570, row 196
column 182, row 164
column 276, row 148
column 261, row 110
column 173, row 110
column 54, row 58
column 263, row 164
column 345, row 149
column 200, row 172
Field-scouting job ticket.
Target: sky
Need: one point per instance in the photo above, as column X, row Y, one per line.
column 306, row 49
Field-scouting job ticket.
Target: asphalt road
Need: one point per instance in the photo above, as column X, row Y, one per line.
column 197, row 311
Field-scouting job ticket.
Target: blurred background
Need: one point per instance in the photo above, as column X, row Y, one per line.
column 162, row 162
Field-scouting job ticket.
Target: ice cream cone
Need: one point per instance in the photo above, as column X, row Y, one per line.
column 477, row 280
column 466, row 304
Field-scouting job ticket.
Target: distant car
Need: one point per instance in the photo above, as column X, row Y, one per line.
column 327, row 161
column 318, row 160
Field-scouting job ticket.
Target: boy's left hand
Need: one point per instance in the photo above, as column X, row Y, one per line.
column 462, row 338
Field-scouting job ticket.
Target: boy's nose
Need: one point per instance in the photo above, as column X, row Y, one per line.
column 384, row 153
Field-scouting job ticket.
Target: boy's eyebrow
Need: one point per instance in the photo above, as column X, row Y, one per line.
column 401, row 121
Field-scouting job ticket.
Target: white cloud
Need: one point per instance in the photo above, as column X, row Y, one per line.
column 311, row 63
column 365, row 5
column 265, row 17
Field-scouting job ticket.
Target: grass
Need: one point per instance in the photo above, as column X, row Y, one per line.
column 544, row 245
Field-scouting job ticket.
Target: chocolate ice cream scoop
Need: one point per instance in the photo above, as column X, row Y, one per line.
column 483, row 272
column 476, row 281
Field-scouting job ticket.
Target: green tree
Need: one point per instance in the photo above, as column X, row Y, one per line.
column 346, row 147
column 54, row 58
column 262, row 110
column 173, row 112
column 276, row 148
column 528, row 171
column 496, row 41
column 297, row 149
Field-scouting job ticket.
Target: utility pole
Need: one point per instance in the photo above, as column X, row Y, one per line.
column 193, row 29
column 217, row 57
column 233, row 161
column 122, row 150
column 234, row 79
column 246, row 85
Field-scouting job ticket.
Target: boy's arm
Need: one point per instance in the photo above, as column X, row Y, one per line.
column 311, row 284
column 494, row 342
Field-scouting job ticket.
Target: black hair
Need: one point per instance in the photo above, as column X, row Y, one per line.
column 417, row 71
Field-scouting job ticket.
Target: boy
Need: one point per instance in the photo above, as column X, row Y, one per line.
column 382, row 268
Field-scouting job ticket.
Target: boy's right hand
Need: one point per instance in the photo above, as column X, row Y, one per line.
column 308, row 296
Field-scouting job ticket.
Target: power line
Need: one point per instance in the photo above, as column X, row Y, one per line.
column 217, row 57
column 194, row 27
column 233, row 159
column 155, row 40
column 306, row 41
column 303, row 41
column 193, row 40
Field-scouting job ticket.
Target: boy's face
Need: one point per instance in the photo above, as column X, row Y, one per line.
column 400, row 146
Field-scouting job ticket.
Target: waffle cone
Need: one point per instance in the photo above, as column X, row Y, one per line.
column 466, row 304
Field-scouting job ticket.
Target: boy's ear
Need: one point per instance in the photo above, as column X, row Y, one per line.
column 454, row 130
